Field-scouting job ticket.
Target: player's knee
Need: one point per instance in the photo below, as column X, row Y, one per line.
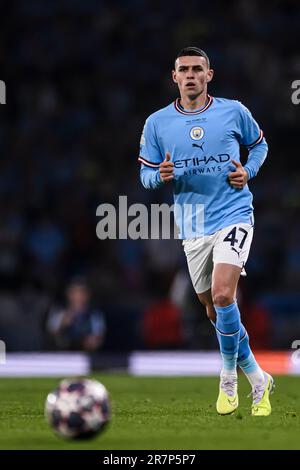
column 222, row 297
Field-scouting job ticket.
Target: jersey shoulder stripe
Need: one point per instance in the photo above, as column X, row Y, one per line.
column 257, row 141
column 147, row 163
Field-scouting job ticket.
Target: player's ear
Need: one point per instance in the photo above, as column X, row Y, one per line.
column 210, row 74
column 174, row 76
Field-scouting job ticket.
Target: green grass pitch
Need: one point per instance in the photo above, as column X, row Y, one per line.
column 155, row 413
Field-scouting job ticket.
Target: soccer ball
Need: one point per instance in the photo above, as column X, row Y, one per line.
column 78, row 408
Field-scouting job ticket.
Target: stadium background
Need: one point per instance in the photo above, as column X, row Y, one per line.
column 81, row 78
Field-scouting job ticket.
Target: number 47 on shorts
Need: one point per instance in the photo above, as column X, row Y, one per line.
column 236, row 235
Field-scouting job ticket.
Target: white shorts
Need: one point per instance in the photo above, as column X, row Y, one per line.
column 229, row 245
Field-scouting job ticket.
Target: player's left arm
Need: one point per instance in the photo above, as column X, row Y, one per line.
column 251, row 136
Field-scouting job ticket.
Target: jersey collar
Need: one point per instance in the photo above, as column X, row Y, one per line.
column 192, row 113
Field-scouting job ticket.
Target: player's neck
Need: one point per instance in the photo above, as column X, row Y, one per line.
column 194, row 103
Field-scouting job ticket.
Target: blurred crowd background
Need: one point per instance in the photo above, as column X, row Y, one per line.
column 81, row 77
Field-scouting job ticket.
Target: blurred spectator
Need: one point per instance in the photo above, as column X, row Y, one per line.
column 78, row 326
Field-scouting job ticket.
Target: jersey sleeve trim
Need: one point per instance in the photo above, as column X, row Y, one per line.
column 147, row 163
column 257, row 141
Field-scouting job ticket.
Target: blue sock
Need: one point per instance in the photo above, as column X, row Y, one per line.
column 245, row 360
column 249, row 365
column 244, row 347
column 228, row 330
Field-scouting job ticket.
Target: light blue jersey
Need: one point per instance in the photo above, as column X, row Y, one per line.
column 202, row 144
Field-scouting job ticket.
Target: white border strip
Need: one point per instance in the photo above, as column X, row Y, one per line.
column 146, row 363
column 45, row 365
column 175, row 363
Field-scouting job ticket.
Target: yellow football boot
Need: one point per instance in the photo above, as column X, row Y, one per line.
column 228, row 399
column 261, row 405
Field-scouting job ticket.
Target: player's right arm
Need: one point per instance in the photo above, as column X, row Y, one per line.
column 156, row 169
column 166, row 169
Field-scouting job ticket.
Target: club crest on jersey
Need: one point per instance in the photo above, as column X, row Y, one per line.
column 196, row 133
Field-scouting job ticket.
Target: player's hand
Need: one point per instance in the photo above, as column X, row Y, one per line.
column 166, row 169
column 238, row 178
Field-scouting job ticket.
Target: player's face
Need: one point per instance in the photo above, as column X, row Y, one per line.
column 192, row 75
column 78, row 297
